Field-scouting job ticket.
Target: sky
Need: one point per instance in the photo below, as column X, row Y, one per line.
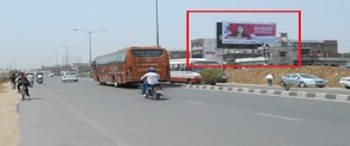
column 32, row 32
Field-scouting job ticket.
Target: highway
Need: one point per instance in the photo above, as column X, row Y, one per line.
column 88, row 114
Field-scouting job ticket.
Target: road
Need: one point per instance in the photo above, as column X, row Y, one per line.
column 276, row 87
column 87, row 114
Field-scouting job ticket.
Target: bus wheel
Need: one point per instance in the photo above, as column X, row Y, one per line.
column 114, row 82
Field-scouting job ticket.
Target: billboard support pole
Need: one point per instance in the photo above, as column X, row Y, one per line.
column 265, row 57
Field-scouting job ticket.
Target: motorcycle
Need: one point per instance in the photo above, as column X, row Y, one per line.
column 154, row 92
column 23, row 91
column 31, row 83
column 39, row 80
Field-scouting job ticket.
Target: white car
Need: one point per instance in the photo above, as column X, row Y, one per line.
column 345, row 81
column 69, row 76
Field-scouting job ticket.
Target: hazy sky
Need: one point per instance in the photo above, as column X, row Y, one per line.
column 31, row 31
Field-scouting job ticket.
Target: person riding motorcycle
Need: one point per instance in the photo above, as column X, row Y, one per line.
column 13, row 80
column 22, row 80
column 30, row 77
column 152, row 79
column 39, row 78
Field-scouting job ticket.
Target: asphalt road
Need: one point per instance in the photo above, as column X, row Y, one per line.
column 87, row 114
column 276, row 87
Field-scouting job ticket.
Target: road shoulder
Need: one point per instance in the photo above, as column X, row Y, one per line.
column 9, row 131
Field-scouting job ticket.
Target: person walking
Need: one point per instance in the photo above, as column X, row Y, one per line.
column 269, row 79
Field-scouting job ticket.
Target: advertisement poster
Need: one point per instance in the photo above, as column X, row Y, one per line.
column 248, row 33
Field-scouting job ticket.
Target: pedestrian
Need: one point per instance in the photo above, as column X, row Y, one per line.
column 13, row 80
column 269, row 79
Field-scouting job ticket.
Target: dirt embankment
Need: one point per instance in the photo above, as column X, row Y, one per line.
column 9, row 132
column 256, row 76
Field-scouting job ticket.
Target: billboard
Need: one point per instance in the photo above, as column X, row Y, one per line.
column 245, row 35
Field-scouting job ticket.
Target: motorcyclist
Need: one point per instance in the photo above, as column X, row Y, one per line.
column 40, row 77
column 22, row 80
column 152, row 79
column 13, row 80
column 30, row 77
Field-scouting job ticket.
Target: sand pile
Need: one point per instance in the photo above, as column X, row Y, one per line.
column 256, row 76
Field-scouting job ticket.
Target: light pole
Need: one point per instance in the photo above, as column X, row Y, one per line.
column 67, row 58
column 157, row 24
column 89, row 33
column 56, row 58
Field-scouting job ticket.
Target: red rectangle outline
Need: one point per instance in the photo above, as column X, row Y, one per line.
column 241, row 11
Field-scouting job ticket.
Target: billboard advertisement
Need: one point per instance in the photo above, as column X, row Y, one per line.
column 234, row 34
column 248, row 33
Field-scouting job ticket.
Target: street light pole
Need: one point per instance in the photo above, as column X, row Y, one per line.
column 89, row 33
column 89, row 48
column 67, row 58
column 157, row 24
column 56, row 58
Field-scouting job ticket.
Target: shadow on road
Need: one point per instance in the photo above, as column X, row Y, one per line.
column 160, row 99
column 34, row 98
column 137, row 86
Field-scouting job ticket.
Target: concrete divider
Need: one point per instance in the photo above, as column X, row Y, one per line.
column 283, row 93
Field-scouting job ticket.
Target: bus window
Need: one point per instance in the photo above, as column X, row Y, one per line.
column 147, row 53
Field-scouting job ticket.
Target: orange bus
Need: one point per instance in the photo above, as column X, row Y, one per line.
column 128, row 65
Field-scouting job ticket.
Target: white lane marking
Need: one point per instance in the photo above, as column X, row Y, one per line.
column 194, row 102
column 115, row 140
column 278, row 117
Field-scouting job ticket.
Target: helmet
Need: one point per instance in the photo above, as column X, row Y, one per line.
column 152, row 69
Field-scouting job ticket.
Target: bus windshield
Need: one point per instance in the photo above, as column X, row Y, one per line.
column 147, row 53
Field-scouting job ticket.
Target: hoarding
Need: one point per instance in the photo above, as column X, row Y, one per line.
column 233, row 34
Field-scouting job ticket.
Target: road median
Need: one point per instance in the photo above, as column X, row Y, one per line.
column 272, row 92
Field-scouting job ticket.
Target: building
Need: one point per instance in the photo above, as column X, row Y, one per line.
column 175, row 54
column 313, row 52
column 204, row 48
column 207, row 48
column 284, row 52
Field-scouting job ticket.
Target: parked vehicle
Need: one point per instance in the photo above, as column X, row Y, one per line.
column 127, row 66
column 303, row 80
column 345, row 81
column 69, row 76
column 52, row 74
